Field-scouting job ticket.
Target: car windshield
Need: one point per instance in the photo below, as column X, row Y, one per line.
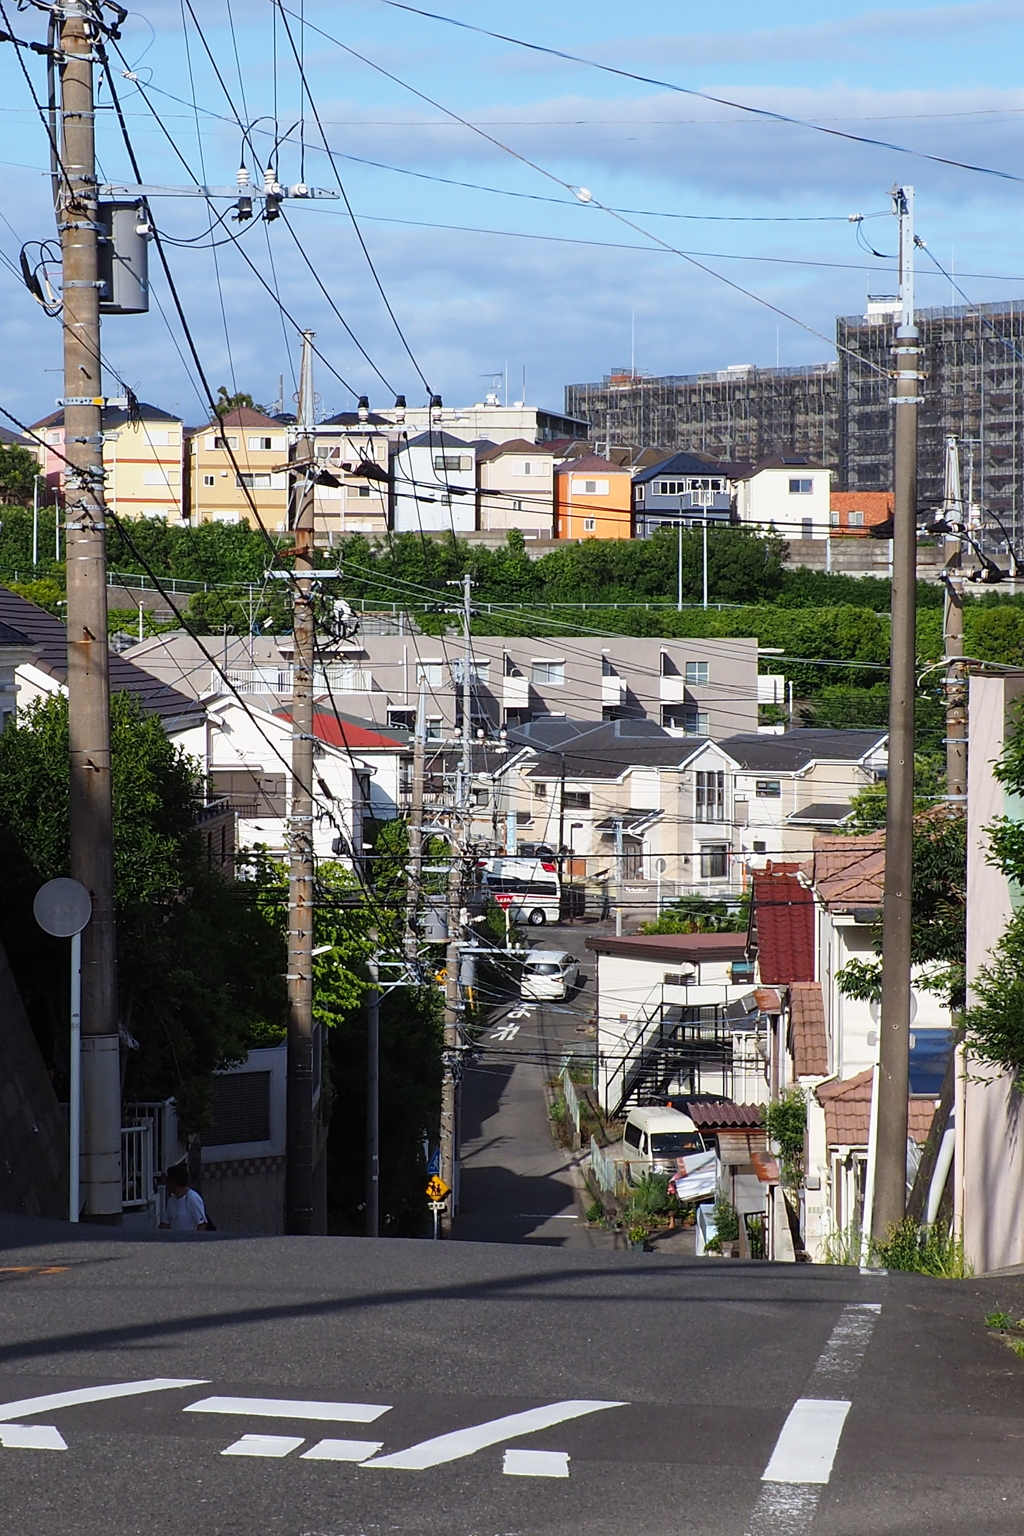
column 542, row 970
column 676, row 1144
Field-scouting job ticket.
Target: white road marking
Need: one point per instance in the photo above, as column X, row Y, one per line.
column 506, row 1032
column 264, row 1445
column 285, row 1408
column 29, row 1405
column 31, row 1437
column 536, row 1464
column 342, row 1450
column 463, row 1442
column 546, row 1216
column 519, row 1013
column 842, row 1356
column 806, row 1448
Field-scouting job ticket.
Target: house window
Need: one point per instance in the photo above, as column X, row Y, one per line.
column 260, row 444
column 710, row 801
column 479, row 672
column 547, row 674
column 833, row 519
column 429, row 673
column 856, row 520
column 697, row 673
column 589, row 524
column 801, row 487
column 402, row 719
column 768, row 789
column 639, row 493
column 154, row 477
column 54, row 437
column 454, row 461
column 759, row 846
column 253, row 482
column 714, row 861
column 517, row 506
column 359, row 490
column 223, row 442
column 696, row 722
column 595, row 487
column 576, row 799
column 540, row 791
column 434, row 724
column 209, row 480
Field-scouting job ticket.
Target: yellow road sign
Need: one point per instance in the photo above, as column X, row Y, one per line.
column 437, row 1189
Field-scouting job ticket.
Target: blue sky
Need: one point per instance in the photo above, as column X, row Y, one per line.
column 471, row 284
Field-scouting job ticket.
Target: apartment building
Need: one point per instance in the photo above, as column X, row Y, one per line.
column 235, row 463
column 488, row 419
column 142, row 457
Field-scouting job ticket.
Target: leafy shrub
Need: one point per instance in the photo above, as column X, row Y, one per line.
column 727, row 1222
column 923, row 1251
column 786, row 1122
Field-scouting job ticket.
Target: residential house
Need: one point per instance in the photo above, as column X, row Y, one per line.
column 236, row 470
column 16, row 650
column 516, row 488
column 142, row 458
column 353, row 495
column 808, row 924
column 593, row 499
column 682, row 489
column 434, row 480
column 676, row 1016
column 790, row 492
column 857, row 512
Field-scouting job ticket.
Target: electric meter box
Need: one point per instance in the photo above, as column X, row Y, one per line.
column 123, row 258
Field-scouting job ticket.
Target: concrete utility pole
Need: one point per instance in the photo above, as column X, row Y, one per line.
column 373, row 1098
column 890, row 1152
column 414, row 868
column 954, row 515
column 453, row 1003
column 91, row 810
column 299, row 1219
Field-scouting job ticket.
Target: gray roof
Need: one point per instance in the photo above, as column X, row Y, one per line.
column 821, row 814
column 439, row 439
column 795, row 749
column 607, row 749
column 49, row 633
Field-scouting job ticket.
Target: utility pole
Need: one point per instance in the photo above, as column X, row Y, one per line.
column 414, row 868
column 890, row 1152
column 299, row 1219
column 954, row 516
column 373, row 1097
column 91, row 810
column 453, row 1002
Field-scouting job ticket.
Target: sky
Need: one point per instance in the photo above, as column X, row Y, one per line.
column 461, row 252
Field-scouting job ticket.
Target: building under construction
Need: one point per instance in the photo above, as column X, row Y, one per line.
column 973, row 388
column 739, row 413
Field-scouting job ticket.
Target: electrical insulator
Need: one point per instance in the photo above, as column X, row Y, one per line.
column 273, row 206
column 243, row 176
column 243, row 209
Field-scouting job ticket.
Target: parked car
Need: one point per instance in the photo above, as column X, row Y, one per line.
column 658, row 1138
column 549, row 973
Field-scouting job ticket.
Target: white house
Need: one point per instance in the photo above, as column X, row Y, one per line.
column 434, row 479
column 676, row 1014
column 791, row 492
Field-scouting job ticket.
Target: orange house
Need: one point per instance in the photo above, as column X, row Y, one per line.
column 857, row 511
column 593, row 499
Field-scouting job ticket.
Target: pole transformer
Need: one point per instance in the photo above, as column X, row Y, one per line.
column 299, row 1203
column 91, row 807
column 890, row 1152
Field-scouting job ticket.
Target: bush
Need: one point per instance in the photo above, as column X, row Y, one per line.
column 923, row 1251
column 786, row 1122
column 727, row 1222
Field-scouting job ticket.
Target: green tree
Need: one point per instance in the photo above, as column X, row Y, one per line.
column 18, row 470
column 697, row 914
column 240, row 400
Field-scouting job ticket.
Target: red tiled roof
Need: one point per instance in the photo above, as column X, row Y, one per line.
column 784, row 912
column 807, row 1038
column 849, row 871
column 847, row 1106
column 712, row 1117
column 349, row 733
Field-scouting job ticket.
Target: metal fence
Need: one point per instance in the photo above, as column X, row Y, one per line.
column 603, row 1169
column 136, row 1166
column 572, row 1102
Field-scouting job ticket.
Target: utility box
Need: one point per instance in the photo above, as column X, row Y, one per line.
column 123, row 258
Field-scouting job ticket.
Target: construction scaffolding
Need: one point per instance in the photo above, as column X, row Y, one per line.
column 739, row 414
column 973, row 389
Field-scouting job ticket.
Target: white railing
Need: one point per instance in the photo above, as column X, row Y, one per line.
column 572, row 1102
column 136, row 1166
column 149, row 1146
column 342, row 679
column 603, row 1169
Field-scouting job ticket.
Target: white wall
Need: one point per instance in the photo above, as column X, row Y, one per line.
column 766, row 498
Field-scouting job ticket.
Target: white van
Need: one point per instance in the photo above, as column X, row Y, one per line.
column 658, row 1137
column 549, row 973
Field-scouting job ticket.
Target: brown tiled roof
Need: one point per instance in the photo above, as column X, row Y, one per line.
column 767, row 1000
column 849, row 871
column 670, row 948
column 711, row 1117
column 591, row 461
column 847, row 1106
column 784, row 913
column 807, row 1038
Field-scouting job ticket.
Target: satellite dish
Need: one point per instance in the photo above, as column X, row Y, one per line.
column 62, row 907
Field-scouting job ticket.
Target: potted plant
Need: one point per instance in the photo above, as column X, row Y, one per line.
column 727, row 1226
column 637, row 1235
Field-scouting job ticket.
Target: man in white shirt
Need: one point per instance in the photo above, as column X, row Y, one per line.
column 185, row 1209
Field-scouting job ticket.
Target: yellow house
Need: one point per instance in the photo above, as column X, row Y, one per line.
column 142, row 456
column 233, row 459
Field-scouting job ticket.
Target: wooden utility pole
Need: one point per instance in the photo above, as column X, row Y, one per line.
column 299, row 1217
column 890, row 1150
column 91, row 811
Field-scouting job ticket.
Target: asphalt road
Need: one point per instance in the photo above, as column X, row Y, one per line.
column 339, row 1387
column 517, row 1185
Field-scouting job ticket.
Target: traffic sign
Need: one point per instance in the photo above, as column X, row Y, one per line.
column 437, row 1189
column 504, row 899
column 434, row 1166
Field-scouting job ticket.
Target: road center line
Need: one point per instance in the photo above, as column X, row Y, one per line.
column 29, row 1405
column 285, row 1408
column 463, row 1442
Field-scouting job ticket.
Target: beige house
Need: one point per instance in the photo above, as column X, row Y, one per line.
column 516, row 481
column 235, row 464
column 142, row 456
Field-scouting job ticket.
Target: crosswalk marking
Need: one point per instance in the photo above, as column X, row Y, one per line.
column 264, row 1445
column 23, row 1407
column 806, row 1448
column 343, row 1450
column 536, row 1464
column 286, row 1408
column 31, row 1437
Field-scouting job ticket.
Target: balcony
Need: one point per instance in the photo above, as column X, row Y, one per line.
column 672, row 688
column 515, row 691
column 613, row 689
